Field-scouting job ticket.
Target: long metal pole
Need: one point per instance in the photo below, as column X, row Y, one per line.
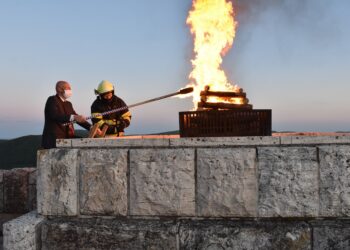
column 180, row 92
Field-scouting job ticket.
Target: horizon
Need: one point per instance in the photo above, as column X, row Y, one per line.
column 291, row 57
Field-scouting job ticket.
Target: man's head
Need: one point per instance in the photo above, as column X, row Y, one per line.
column 105, row 90
column 63, row 89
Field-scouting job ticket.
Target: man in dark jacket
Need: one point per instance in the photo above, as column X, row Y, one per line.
column 106, row 101
column 58, row 114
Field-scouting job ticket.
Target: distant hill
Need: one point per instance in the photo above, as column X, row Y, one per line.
column 19, row 152
column 175, row 132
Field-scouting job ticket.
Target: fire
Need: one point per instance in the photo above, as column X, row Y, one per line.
column 213, row 26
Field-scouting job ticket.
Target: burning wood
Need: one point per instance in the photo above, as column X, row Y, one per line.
column 220, row 105
column 207, row 92
column 223, row 100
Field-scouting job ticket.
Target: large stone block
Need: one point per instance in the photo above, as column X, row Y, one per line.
column 103, row 182
column 57, row 182
column 226, row 182
column 16, row 187
column 23, row 233
column 288, row 182
column 109, row 234
column 214, row 234
column 331, row 234
column 334, row 181
column 162, row 182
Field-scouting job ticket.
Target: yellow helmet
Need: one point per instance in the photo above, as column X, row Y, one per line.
column 104, row 87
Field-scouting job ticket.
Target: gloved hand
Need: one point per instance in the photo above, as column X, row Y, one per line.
column 121, row 124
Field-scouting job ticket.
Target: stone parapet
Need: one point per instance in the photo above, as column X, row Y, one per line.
column 174, row 141
column 231, row 177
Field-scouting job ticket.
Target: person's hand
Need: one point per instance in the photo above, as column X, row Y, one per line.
column 79, row 118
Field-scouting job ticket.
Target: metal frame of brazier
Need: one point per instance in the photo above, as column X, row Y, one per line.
column 217, row 123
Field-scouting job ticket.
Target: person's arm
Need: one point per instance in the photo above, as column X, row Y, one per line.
column 125, row 118
column 98, row 118
column 124, row 121
column 81, row 120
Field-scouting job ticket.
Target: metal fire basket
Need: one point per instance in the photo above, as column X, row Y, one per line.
column 217, row 123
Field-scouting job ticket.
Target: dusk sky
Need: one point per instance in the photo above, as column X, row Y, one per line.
column 291, row 56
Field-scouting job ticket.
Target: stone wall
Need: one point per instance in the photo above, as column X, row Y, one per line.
column 17, row 194
column 248, row 177
column 17, row 190
column 195, row 193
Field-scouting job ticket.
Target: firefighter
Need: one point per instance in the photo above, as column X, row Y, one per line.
column 106, row 100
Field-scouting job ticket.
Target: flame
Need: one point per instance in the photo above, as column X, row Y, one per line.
column 213, row 26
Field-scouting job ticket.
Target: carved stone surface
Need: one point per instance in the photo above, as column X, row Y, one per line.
column 334, row 180
column 244, row 235
column 226, row 182
column 288, row 182
column 103, row 182
column 109, row 234
column 162, row 182
column 23, row 232
column 57, row 182
column 16, row 187
column 331, row 234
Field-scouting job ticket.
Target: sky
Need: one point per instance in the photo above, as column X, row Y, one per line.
column 291, row 56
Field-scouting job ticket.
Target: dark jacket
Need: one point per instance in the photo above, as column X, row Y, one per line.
column 116, row 121
column 57, row 113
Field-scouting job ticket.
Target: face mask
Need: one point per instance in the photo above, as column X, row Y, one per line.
column 67, row 93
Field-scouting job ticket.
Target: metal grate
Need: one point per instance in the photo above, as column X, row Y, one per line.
column 213, row 123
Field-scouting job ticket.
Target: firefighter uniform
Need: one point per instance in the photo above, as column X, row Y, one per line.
column 117, row 121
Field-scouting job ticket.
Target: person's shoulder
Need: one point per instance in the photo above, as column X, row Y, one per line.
column 96, row 103
column 51, row 99
column 118, row 99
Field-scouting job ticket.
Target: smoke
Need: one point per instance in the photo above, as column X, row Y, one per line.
column 306, row 22
column 294, row 10
column 307, row 15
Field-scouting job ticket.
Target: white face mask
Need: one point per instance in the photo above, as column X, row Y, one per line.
column 67, row 93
